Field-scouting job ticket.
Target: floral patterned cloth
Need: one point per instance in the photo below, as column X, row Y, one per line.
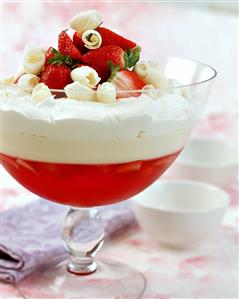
column 31, row 235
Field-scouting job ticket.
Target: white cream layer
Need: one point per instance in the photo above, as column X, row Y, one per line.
column 69, row 131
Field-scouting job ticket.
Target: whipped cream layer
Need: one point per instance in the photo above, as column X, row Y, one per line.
column 69, row 131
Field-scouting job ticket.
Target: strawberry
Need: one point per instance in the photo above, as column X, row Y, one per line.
column 104, row 75
column 66, row 46
column 126, row 80
column 55, row 57
column 78, row 42
column 80, row 64
column 99, row 57
column 49, row 54
column 56, row 76
column 105, row 57
column 111, row 38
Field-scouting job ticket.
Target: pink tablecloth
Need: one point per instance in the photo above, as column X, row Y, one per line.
column 210, row 270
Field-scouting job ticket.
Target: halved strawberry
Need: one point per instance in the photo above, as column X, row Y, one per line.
column 56, row 76
column 67, row 47
column 111, row 38
column 105, row 57
column 126, row 80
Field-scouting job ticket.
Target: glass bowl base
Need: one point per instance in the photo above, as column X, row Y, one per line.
column 111, row 280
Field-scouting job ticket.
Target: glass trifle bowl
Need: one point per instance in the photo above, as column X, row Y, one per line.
column 86, row 154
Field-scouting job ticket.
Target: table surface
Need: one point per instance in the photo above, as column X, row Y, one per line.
column 209, row 270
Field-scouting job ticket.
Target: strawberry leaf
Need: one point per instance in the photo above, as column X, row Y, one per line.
column 68, row 60
column 59, row 58
column 114, row 69
column 131, row 57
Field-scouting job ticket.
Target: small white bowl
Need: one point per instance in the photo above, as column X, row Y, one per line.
column 179, row 212
column 205, row 159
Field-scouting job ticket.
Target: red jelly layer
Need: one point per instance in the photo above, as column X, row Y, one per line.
column 86, row 185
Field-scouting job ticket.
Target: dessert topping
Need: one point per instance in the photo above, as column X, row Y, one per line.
column 78, row 42
column 41, row 92
column 142, row 69
column 106, row 56
column 56, row 76
column 56, row 57
column 33, row 59
column 91, row 39
column 86, row 20
column 79, row 91
column 96, row 56
column 151, row 74
column 151, row 91
column 126, row 82
column 85, row 75
column 67, row 47
column 111, row 38
column 28, row 81
column 49, row 54
column 106, row 93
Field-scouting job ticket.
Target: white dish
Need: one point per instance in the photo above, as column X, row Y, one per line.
column 179, row 212
column 211, row 160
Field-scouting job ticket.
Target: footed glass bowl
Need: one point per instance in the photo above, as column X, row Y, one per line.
column 99, row 155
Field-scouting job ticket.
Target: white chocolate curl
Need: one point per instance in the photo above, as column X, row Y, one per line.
column 92, row 39
column 151, row 73
column 152, row 92
column 33, row 59
column 85, row 75
column 86, row 20
column 28, row 81
column 142, row 69
column 18, row 74
column 80, row 92
column 106, row 93
column 41, row 92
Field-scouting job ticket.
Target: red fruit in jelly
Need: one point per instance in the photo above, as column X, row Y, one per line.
column 86, row 185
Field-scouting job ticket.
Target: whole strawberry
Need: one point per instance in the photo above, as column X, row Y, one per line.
column 111, row 38
column 49, row 54
column 67, row 47
column 105, row 57
column 56, row 76
column 104, row 75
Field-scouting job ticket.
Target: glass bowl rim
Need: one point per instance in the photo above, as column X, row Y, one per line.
column 141, row 90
